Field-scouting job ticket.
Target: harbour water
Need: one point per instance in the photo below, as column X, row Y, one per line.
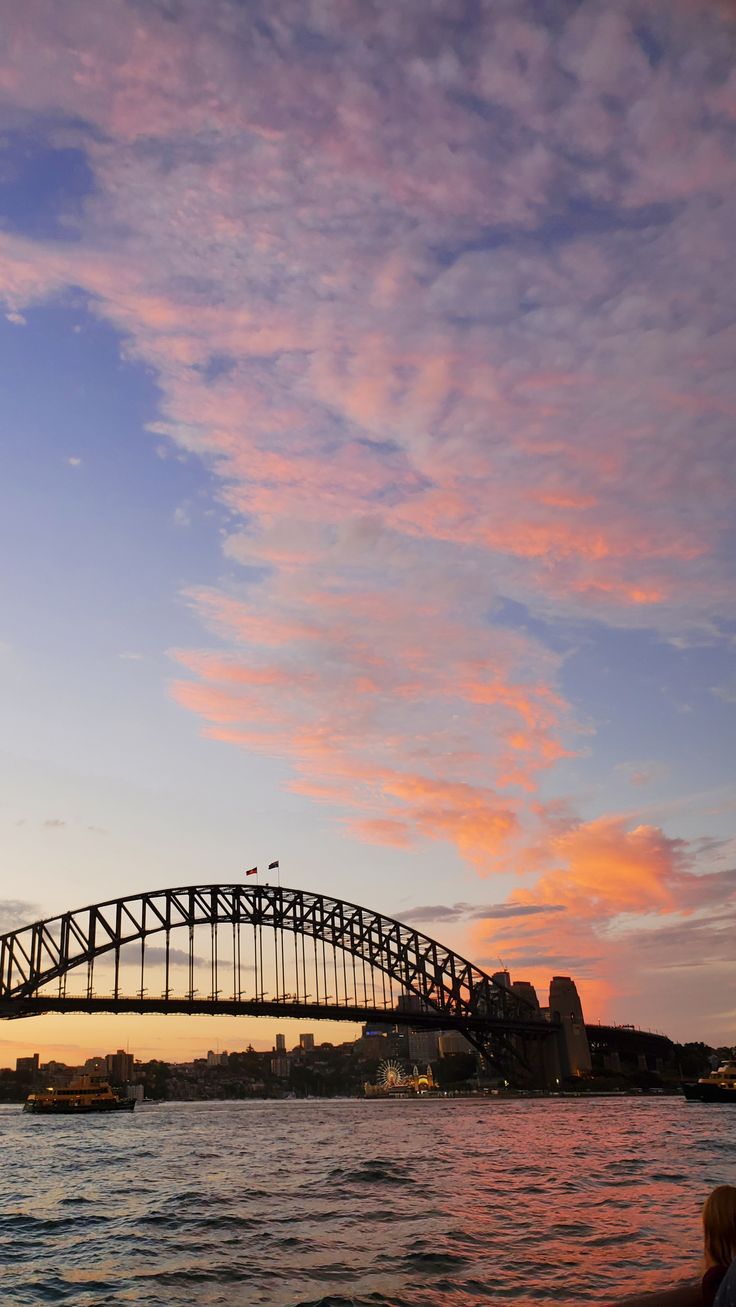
column 312, row 1202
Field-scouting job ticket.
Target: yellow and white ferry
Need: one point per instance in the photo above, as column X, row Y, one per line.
column 83, row 1095
column 718, row 1087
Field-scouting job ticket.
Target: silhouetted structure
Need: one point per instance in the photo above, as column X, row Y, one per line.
column 269, row 950
column 618, row 1050
column 565, row 1007
column 120, row 1067
column 27, row 1066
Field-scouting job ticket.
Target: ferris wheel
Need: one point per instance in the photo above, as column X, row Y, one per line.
column 391, row 1075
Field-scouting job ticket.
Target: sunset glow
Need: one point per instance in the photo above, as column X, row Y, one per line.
column 368, row 397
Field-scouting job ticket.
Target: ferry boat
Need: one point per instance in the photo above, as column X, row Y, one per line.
column 718, row 1087
column 83, row 1095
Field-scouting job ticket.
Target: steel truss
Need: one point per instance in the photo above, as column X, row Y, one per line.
column 451, row 992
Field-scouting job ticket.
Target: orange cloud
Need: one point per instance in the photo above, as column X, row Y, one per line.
column 418, row 391
column 606, row 867
column 625, row 910
column 373, row 698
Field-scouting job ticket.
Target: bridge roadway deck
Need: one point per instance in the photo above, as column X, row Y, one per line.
column 429, row 1020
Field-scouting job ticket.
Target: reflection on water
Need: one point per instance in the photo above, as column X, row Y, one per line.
column 347, row 1202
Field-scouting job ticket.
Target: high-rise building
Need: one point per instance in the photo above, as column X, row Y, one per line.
column 451, row 1041
column 216, row 1059
column 27, row 1066
column 372, row 1045
column 306, row 1043
column 281, row 1043
column 410, row 1003
column 423, row 1046
column 119, row 1066
column 379, row 1028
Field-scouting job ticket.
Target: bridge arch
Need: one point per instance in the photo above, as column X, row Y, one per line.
column 445, row 989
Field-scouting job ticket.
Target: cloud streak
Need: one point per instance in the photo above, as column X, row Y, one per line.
column 441, row 301
column 473, row 911
column 15, row 913
column 636, row 907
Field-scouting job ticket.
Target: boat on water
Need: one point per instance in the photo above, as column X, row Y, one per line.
column 718, row 1087
column 85, row 1094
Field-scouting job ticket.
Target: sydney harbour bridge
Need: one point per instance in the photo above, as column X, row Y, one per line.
column 264, row 950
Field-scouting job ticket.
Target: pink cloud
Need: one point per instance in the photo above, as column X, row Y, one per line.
column 607, row 867
column 636, row 915
column 349, row 687
column 475, row 340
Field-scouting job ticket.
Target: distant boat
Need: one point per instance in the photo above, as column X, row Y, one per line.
column 85, row 1094
column 718, row 1087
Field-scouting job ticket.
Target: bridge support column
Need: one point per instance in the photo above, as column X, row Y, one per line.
column 540, row 1060
column 573, row 1046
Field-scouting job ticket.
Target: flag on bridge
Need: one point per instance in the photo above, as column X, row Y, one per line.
column 273, row 865
column 252, row 871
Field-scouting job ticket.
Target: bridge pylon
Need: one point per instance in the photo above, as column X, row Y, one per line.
column 264, row 950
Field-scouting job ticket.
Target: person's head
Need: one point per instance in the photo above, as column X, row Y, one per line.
column 719, row 1224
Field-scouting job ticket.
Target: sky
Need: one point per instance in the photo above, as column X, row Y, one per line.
column 367, row 397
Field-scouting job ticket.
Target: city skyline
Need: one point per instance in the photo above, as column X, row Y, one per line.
column 367, row 402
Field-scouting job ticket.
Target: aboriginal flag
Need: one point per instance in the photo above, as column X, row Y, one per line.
column 252, row 871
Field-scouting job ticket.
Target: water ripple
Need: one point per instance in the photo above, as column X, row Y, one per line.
column 367, row 1204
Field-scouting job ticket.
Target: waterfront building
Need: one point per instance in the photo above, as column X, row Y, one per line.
column 27, row 1066
column 394, row 1082
column 306, row 1043
column 423, row 1046
column 281, row 1043
column 378, row 1028
column 216, row 1059
column 451, row 1042
column 55, row 1072
column 410, row 1003
column 119, row 1066
column 372, row 1045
